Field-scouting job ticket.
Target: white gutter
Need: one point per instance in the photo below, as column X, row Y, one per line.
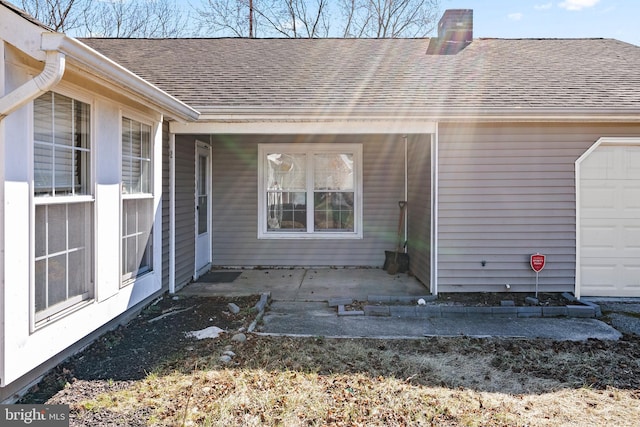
column 487, row 114
column 53, row 70
column 59, row 48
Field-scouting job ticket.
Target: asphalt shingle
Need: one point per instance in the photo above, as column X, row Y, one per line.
column 385, row 74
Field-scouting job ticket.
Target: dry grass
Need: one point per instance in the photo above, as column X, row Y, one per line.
column 461, row 381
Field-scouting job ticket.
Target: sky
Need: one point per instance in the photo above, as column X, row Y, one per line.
column 617, row 19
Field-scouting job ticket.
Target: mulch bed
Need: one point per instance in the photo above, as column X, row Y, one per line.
column 491, row 299
column 154, row 338
column 481, row 299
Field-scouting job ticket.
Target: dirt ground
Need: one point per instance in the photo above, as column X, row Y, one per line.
column 493, row 299
column 154, row 338
column 155, row 342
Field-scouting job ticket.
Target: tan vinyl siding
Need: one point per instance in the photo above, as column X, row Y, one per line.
column 419, row 207
column 185, row 209
column 235, row 214
column 507, row 191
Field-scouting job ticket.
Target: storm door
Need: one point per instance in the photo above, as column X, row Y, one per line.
column 203, row 208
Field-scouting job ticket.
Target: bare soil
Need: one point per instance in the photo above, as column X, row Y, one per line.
column 148, row 372
column 492, row 299
column 482, row 299
column 156, row 337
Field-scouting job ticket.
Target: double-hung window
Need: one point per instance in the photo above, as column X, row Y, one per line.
column 310, row 191
column 63, row 204
column 137, row 200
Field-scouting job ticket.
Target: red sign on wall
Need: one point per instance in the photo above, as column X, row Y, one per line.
column 537, row 262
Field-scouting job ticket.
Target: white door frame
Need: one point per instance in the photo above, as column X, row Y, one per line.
column 598, row 143
column 202, row 148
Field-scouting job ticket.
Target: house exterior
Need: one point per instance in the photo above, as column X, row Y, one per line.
column 81, row 186
column 154, row 160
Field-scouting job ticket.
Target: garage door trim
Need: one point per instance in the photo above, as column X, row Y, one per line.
column 604, row 141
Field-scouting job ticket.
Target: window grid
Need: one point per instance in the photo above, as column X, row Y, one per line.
column 63, row 205
column 136, row 157
column 61, row 151
column 137, row 201
column 310, row 191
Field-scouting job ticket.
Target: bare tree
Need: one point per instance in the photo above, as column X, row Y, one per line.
column 389, row 18
column 298, row 18
column 226, row 17
column 60, row 15
column 111, row 18
column 312, row 18
column 269, row 18
column 140, row 18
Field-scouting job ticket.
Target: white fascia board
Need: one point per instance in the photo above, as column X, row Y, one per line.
column 90, row 60
column 243, row 119
column 292, row 126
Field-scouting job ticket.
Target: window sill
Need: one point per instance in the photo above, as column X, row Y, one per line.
column 52, row 318
column 309, row 236
column 129, row 280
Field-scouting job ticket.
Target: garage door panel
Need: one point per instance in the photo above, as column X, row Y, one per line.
column 598, row 198
column 632, row 163
column 598, row 275
column 610, row 222
column 596, row 238
column 631, row 239
column 630, row 201
column 599, row 164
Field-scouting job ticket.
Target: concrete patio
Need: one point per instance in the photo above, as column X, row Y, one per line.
column 299, row 307
column 312, row 284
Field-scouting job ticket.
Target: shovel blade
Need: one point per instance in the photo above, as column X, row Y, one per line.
column 392, row 269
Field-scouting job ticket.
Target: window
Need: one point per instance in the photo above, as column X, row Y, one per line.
column 63, row 204
column 310, row 191
column 137, row 200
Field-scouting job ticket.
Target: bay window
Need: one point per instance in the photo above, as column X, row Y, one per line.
column 63, row 212
column 137, row 200
column 310, row 191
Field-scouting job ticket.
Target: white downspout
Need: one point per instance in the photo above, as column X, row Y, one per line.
column 172, row 213
column 53, row 70
column 434, row 209
column 406, row 192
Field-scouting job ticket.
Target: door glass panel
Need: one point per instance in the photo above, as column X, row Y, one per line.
column 203, row 213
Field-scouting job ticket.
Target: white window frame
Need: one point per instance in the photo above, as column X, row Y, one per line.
column 310, row 150
column 44, row 317
column 129, row 278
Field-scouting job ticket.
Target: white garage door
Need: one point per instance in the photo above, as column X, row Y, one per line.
column 610, row 221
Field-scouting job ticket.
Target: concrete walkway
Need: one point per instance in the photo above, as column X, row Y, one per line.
column 294, row 318
column 299, row 308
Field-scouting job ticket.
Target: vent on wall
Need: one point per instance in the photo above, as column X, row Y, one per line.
column 455, row 32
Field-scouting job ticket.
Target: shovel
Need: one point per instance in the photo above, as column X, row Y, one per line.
column 393, row 266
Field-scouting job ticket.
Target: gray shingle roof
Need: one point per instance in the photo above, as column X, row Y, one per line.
column 385, row 74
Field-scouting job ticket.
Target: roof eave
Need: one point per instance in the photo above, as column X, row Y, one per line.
column 479, row 114
column 99, row 65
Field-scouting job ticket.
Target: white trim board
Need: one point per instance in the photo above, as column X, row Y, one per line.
column 604, row 141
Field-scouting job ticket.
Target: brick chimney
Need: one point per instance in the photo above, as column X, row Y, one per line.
column 455, row 32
